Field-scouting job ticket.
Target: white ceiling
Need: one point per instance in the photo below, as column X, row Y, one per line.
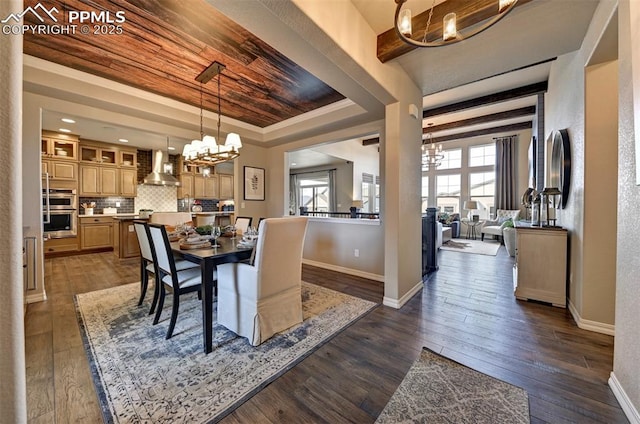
column 535, row 32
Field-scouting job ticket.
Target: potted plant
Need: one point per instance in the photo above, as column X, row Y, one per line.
column 509, row 236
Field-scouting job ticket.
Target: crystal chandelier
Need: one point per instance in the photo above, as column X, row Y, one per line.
column 431, row 153
column 450, row 33
column 206, row 151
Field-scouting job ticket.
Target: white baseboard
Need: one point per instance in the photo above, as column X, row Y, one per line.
column 625, row 403
column 344, row 270
column 399, row 303
column 595, row 326
column 36, row 297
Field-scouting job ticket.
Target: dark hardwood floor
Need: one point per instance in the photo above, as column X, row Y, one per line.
column 467, row 312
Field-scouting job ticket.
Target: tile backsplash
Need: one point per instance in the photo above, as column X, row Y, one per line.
column 156, row 198
column 126, row 204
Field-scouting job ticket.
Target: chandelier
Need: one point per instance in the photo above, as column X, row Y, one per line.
column 431, row 153
column 477, row 23
column 206, row 151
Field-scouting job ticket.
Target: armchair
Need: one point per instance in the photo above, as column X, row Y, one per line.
column 496, row 226
column 264, row 297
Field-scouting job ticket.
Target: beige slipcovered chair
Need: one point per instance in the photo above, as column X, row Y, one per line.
column 260, row 299
column 171, row 218
column 495, row 227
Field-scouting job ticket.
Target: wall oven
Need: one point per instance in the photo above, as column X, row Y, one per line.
column 59, row 212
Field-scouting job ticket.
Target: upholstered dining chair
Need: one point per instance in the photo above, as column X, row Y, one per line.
column 147, row 266
column 243, row 223
column 177, row 281
column 260, row 299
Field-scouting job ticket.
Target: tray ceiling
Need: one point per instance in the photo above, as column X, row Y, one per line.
column 165, row 44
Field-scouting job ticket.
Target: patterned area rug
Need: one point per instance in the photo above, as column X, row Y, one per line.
column 141, row 377
column 486, row 247
column 439, row 390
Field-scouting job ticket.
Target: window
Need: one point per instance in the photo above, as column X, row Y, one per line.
column 448, row 192
column 452, row 159
column 314, row 191
column 370, row 193
column 482, row 190
column 484, row 155
column 425, row 192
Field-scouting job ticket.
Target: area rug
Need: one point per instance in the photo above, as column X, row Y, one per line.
column 439, row 390
column 487, row 247
column 141, row 377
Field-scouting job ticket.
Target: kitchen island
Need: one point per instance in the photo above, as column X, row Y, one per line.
column 125, row 240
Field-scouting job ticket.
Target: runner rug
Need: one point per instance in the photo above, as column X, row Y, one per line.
column 486, row 247
column 439, row 390
column 141, row 377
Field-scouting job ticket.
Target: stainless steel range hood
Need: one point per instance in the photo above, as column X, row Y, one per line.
column 157, row 176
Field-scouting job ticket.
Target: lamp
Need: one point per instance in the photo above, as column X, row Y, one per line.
column 551, row 199
column 206, row 151
column 476, row 23
column 431, row 153
column 470, row 205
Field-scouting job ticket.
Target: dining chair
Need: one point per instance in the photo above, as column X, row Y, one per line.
column 177, row 281
column 243, row 223
column 147, row 266
column 260, row 299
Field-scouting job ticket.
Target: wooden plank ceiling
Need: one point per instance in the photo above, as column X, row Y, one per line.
column 165, row 44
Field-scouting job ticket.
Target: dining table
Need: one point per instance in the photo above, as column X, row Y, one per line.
column 208, row 258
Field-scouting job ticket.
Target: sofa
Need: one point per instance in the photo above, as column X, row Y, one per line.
column 495, row 227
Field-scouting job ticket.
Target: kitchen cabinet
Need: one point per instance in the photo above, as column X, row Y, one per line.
column 128, row 158
column 125, row 241
column 60, row 170
column 226, row 186
column 98, row 154
column 205, row 187
column 59, row 146
column 186, row 186
column 96, row 232
column 96, row 180
column 58, row 245
column 128, row 182
column 540, row 272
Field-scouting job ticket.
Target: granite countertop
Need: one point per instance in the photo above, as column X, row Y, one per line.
column 215, row 213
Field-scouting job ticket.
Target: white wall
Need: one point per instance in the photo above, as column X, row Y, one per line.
column 332, row 243
column 626, row 378
column 565, row 108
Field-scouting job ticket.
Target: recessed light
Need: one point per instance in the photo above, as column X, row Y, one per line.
column 68, row 120
column 123, row 140
column 64, row 130
column 293, row 164
column 172, row 148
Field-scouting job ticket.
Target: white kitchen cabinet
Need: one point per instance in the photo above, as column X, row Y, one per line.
column 540, row 272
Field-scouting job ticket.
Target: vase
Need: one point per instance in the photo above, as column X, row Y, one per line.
column 509, row 236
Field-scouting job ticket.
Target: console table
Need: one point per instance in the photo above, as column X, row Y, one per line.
column 541, row 265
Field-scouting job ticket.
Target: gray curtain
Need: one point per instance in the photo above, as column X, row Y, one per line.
column 333, row 195
column 506, row 193
column 294, row 195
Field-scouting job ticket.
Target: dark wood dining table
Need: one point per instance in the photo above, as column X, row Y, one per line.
column 209, row 258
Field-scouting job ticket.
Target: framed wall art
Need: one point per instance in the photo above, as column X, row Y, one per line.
column 253, row 183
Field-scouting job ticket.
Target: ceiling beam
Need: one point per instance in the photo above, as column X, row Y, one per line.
column 485, row 131
column 503, row 96
column 469, row 13
column 499, row 116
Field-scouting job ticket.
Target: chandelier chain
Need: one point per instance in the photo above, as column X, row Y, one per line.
column 426, row 30
column 201, row 126
column 219, row 108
